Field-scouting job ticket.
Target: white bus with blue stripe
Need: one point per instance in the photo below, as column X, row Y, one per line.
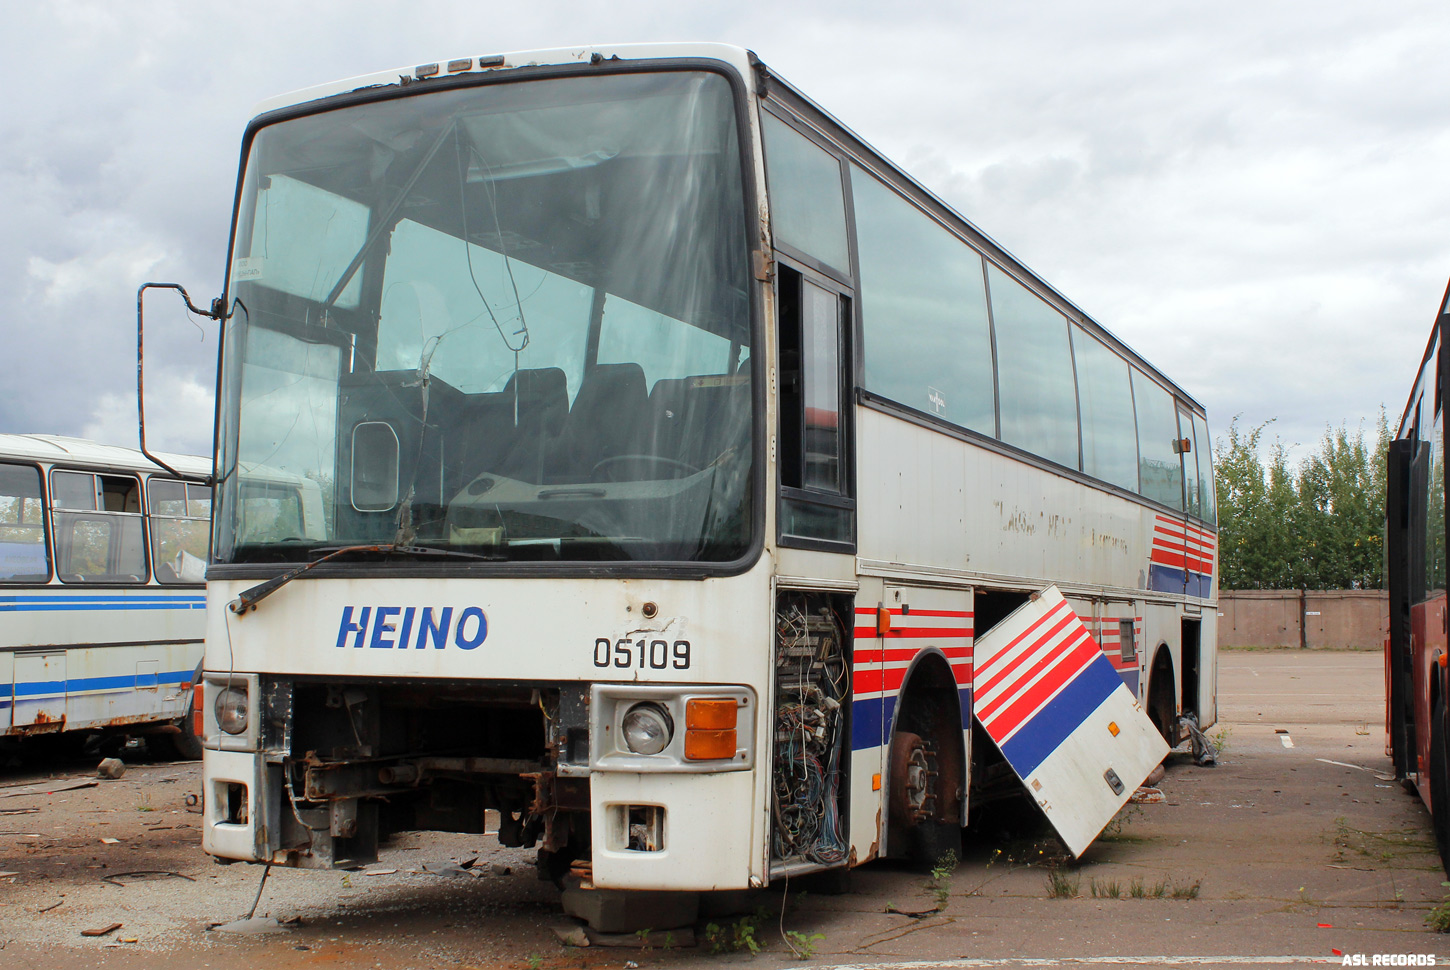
column 102, row 564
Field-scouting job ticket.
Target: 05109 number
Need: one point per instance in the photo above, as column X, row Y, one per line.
column 642, row 654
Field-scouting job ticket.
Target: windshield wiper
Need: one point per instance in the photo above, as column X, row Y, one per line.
column 248, row 599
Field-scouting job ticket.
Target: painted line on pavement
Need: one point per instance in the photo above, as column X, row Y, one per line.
column 1155, row 961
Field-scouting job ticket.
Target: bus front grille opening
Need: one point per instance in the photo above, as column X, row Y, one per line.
column 364, row 760
column 636, row 828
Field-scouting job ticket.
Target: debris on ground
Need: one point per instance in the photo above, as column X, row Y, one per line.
column 111, row 768
column 143, row 875
column 257, row 926
column 102, row 931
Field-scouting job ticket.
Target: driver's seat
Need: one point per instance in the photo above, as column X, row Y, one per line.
column 607, row 419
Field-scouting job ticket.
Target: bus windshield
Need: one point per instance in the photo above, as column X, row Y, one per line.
column 511, row 320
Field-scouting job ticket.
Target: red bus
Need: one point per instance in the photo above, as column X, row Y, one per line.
column 1416, row 682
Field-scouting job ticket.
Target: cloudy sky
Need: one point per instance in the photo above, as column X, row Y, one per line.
column 1253, row 195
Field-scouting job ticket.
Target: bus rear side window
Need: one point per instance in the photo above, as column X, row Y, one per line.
column 23, row 556
column 97, row 526
column 179, row 517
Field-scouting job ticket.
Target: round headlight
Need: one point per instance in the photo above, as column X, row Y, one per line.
column 231, row 710
column 647, row 728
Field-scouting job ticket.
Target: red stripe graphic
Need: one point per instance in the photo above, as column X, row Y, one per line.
column 915, row 632
column 871, row 611
column 907, row 654
column 1006, row 722
column 1039, row 632
column 991, row 707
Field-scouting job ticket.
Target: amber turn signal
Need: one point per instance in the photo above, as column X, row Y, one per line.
column 716, row 714
column 196, row 708
column 702, row 745
column 883, row 621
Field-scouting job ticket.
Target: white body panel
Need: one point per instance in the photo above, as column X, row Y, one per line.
column 535, row 630
column 937, row 509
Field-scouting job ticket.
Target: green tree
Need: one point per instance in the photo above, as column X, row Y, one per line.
column 1320, row 527
column 1252, row 541
column 1340, row 513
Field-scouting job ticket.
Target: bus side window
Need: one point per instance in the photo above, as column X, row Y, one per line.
column 815, row 503
column 22, row 528
column 97, row 526
column 179, row 517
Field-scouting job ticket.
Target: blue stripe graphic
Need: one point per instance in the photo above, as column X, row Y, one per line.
column 868, row 720
column 871, row 718
column 95, row 602
column 1040, row 736
column 1171, row 579
column 84, row 685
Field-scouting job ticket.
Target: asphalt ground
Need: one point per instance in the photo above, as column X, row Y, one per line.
column 1296, row 848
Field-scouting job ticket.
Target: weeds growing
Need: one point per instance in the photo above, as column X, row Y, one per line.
column 1138, row 889
column 1439, row 917
column 1062, row 884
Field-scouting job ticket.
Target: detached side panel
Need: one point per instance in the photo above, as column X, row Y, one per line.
column 1063, row 718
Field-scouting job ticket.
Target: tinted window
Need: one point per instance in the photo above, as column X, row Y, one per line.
column 22, row 526
column 179, row 529
column 1159, row 466
column 1434, row 543
column 807, row 208
column 72, row 490
column 1109, row 436
column 1190, row 464
column 1034, row 372
column 1207, row 499
column 924, row 310
column 451, row 308
column 662, row 346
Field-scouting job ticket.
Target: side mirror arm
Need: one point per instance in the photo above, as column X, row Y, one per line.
column 217, row 312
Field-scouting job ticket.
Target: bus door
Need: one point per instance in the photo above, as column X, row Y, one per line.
column 1198, row 543
column 1178, row 535
column 1062, row 717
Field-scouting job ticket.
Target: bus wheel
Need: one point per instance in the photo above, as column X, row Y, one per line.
column 183, row 745
column 1440, row 785
column 916, row 802
column 1160, row 699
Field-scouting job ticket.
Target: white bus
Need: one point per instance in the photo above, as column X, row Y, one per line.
column 102, row 562
column 701, row 493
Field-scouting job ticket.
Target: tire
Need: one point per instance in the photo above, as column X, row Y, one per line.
column 1439, row 785
column 918, row 833
column 181, row 746
column 1160, row 703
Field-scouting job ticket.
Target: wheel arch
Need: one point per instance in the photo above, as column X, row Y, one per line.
column 929, row 704
column 1163, row 689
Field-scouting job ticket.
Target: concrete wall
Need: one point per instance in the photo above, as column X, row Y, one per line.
column 1355, row 619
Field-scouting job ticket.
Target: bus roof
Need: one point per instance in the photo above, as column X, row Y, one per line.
column 81, row 451
column 744, row 61
column 738, row 57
